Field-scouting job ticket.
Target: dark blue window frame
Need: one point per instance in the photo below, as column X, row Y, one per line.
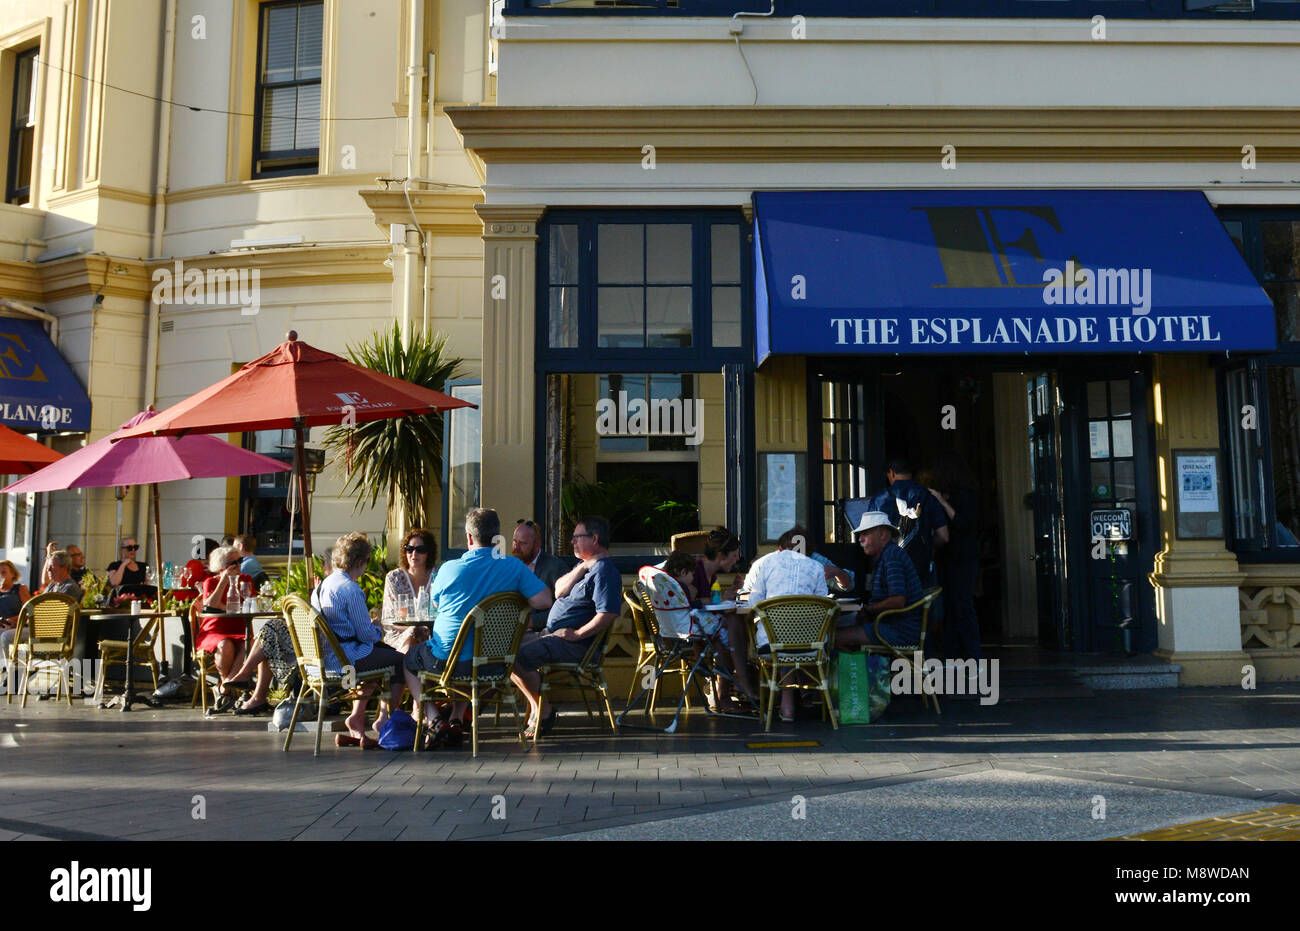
column 1261, row 548
column 588, row 358
column 993, row 9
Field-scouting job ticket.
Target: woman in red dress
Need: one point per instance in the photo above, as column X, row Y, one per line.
column 223, row 637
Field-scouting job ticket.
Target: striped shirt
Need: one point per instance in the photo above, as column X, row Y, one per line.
column 343, row 605
column 896, row 575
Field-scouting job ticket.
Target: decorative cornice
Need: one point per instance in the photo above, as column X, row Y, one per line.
column 133, row 278
column 850, row 134
column 1270, row 575
column 93, row 191
column 510, row 221
column 439, row 212
column 357, row 179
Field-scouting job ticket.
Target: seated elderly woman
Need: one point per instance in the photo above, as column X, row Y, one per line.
column 223, row 637
column 342, row 603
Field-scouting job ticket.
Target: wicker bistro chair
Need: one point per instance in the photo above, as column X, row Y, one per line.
column 50, row 624
column 798, row 628
column 497, row 624
column 912, row 651
column 311, row 637
column 114, row 651
column 588, row 675
column 200, row 660
column 653, row 652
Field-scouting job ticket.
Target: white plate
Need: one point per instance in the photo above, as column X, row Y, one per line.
column 721, row 606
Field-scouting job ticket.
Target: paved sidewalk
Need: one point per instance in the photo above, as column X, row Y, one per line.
column 1030, row 769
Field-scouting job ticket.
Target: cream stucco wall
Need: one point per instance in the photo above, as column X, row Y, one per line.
column 98, row 180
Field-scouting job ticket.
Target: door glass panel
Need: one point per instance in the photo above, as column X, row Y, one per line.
column 1121, row 432
column 1119, row 398
column 1097, row 408
column 1101, row 484
column 1125, row 485
column 1098, row 439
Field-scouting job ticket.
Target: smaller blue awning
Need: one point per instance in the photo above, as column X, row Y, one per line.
column 964, row 271
column 38, row 390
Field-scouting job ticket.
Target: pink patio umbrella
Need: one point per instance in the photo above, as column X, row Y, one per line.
column 147, row 460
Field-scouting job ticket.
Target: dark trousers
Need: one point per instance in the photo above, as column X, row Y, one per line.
column 961, row 625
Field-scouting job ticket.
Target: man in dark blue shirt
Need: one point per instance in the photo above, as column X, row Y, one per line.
column 588, row 599
column 919, row 518
column 895, row 585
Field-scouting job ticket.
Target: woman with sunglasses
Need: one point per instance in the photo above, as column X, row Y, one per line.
column 125, row 570
column 415, row 567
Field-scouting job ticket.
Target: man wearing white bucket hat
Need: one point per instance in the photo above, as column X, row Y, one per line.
column 894, row 584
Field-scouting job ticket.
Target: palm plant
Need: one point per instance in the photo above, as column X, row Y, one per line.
column 398, row 459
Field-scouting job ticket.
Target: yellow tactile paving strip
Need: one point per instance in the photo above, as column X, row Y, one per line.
column 1279, row 822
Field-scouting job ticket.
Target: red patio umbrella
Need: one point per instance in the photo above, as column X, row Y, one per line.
column 296, row 386
column 21, row 454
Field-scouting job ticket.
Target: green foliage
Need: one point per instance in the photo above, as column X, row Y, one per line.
column 372, row 581
column 398, row 459
column 639, row 510
column 92, row 588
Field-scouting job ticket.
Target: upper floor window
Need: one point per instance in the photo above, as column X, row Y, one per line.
column 1260, row 398
column 287, row 116
column 631, row 283
column 22, row 129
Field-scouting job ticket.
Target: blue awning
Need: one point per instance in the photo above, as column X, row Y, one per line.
column 38, row 390
column 926, row 272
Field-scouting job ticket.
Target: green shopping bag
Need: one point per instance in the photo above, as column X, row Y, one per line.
column 860, row 686
column 853, row 688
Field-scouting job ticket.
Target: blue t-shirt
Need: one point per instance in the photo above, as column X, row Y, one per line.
column 251, row 567
column 895, row 575
column 462, row 583
column 600, row 591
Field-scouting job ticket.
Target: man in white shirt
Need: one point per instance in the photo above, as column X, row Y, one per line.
column 785, row 572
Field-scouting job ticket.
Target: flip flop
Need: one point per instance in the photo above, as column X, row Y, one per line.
column 347, row 740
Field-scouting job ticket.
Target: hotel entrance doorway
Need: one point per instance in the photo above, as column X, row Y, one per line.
column 1061, row 463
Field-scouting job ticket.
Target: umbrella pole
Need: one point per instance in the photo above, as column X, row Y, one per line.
column 300, row 467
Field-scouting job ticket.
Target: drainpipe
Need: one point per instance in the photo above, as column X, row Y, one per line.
column 414, row 138
column 163, row 164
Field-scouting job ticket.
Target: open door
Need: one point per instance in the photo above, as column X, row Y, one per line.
column 1043, row 404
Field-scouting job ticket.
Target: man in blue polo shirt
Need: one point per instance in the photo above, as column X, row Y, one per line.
column 588, row 599
column 459, row 585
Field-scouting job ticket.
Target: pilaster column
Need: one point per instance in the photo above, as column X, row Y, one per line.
column 509, row 315
column 1195, row 581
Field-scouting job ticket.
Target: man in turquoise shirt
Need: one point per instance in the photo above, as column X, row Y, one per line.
column 459, row 585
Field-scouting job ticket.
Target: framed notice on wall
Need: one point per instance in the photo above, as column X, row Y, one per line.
column 1198, row 499
column 782, row 494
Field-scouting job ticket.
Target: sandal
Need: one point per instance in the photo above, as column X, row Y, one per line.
column 455, row 734
column 245, row 709
column 436, row 735
column 547, row 725
column 347, row 740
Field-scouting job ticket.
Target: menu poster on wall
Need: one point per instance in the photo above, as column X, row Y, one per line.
column 1198, row 484
column 1199, row 515
column 781, row 481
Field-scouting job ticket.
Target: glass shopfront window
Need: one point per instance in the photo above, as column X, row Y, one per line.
column 1261, row 398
